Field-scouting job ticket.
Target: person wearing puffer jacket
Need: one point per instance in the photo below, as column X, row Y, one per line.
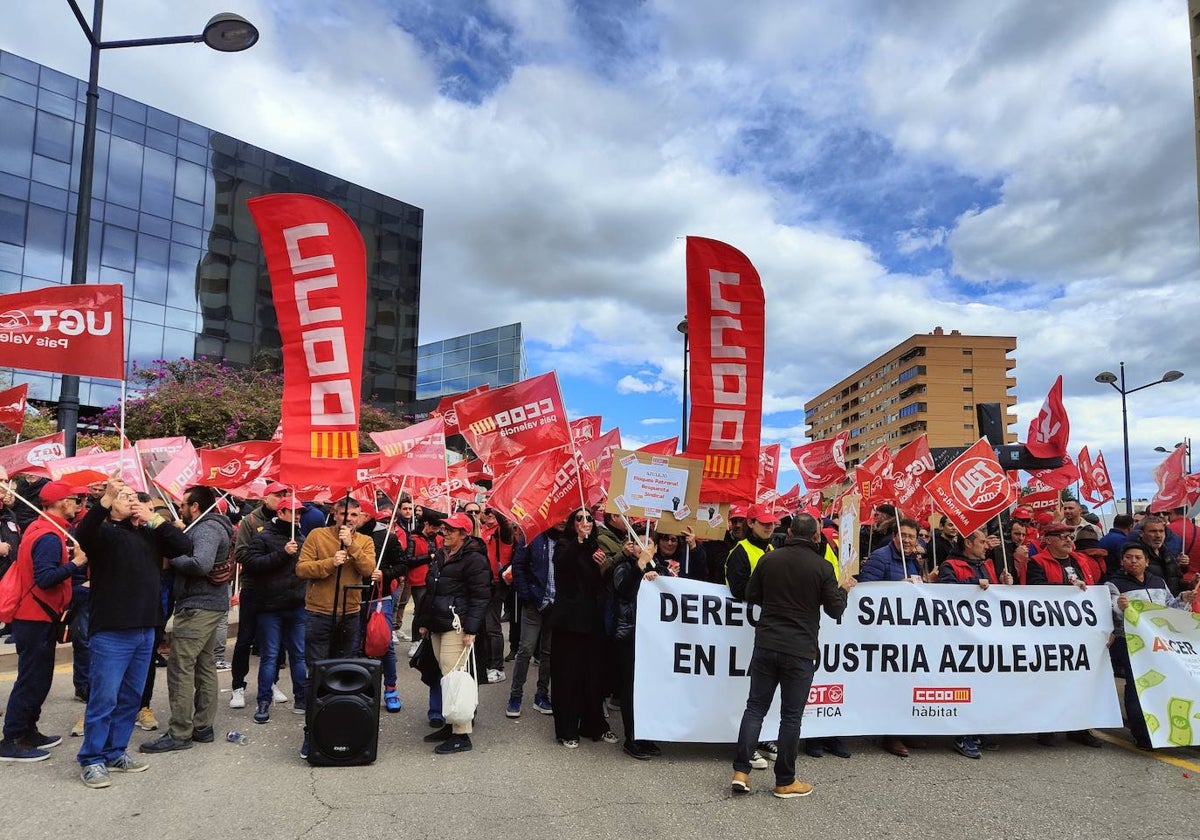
column 199, row 607
column 458, row 589
column 627, row 580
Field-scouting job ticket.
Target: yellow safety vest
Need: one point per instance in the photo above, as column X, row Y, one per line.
column 754, row 553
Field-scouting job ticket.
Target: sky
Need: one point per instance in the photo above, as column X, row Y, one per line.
column 1014, row 167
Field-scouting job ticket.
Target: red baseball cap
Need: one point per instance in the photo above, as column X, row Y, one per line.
column 290, row 503
column 1022, row 512
column 276, row 487
column 56, row 491
column 761, row 513
column 459, row 522
column 737, row 511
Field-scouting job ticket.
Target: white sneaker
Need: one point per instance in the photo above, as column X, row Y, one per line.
column 237, row 700
column 495, row 676
column 758, row 762
column 277, row 695
column 401, row 636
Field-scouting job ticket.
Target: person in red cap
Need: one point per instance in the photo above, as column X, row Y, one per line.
column 43, row 568
column 247, row 529
column 718, row 550
column 740, row 565
column 451, row 611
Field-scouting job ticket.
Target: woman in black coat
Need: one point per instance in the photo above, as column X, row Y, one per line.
column 576, row 678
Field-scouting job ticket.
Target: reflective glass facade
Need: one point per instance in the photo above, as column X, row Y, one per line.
column 169, row 222
column 492, row 357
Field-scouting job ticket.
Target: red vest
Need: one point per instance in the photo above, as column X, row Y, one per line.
column 965, row 572
column 499, row 553
column 56, row 598
column 421, row 547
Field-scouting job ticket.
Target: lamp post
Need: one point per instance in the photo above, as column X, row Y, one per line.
column 224, row 32
column 682, row 326
column 1186, row 443
column 1109, row 378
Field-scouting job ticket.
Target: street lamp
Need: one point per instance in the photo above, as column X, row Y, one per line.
column 682, row 326
column 1186, row 443
column 225, row 32
column 1109, row 378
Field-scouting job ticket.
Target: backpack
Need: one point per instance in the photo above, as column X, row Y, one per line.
column 14, row 586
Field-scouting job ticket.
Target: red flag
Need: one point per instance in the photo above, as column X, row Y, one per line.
column 32, row 456
column 972, row 488
column 1094, row 483
column 871, row 479
column 786, row 504
column 123, row 461
column 598, row 457
column 515, row 421
column 12, row 408
column 478, row 471
column 541, row 491
column 317, row 263
column 180, row 473
column 1051, row 429
column 667, row 446
column 726, row 317
column 230, row 467
column 1059, row 478
column 768, row 469
column 439, row 493
column 911, row 467
column 445, row 409
column 878, row 461
column 823, row 462
column 65, row 329
column 1172, row 487
column 419, row 450
column 585, row 429
column 813, row 498
column 1046, row 499
column 1192, row 484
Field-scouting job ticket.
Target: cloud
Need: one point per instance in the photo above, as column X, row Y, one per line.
column 633, row 385
column 659, row 421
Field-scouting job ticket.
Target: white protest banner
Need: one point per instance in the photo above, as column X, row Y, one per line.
column 906, row 659
column 1164, row 653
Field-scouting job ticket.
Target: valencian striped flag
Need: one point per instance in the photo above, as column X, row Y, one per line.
column 317, row 263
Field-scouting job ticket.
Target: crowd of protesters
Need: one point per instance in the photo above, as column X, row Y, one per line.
column 109, row 567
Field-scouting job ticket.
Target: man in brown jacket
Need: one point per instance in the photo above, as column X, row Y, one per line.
column 333, row 557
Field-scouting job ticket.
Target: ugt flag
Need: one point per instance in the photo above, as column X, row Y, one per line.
column 1051, row 429
column 318, row 269
column 727, row 327
column 76, row 330
column 972, row 488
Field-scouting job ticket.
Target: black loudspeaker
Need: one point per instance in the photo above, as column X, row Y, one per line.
column 343, row 712
column 991, row 422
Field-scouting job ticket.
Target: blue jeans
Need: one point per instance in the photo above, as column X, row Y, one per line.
column 119, row 662
column 81, row 661
column 35, row 672
column 276, row 629
column 793, row 676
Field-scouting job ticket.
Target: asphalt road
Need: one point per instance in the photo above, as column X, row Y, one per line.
column 518, row 783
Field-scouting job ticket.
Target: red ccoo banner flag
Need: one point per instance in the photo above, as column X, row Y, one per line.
column 972, row 488
column 12, row 408
column 76, row 330
column 515, row 421
column 445, row 409
column 417, row 450
column 726, row 316
column 541, row 490
column 317, row 264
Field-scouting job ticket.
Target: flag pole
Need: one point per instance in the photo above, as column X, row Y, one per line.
column 386, row 534
column 294, row 512
column 43, row 515
column 1003, row 550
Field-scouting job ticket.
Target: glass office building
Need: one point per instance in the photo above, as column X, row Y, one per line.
column 492, row 357
column 170, row 223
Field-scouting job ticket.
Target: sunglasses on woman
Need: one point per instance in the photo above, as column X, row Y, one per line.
column 584, row 517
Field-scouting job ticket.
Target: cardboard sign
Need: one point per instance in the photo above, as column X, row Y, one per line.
column 708, row 521
column 651, row 485
column 848, row 525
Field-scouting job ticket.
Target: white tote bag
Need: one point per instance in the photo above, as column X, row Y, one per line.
column 460, row 691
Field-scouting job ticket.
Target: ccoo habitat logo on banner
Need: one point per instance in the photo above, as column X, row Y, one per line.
column 1164, row 653
column 924, row 659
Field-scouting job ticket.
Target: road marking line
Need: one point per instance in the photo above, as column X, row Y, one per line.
column 64, row 668
column 1155, row 754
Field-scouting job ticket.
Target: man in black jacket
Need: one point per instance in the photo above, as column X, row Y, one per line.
column 792, row 585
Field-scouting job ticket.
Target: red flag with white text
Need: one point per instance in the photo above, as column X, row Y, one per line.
column 1050, row 431
column 585, row 428
column 231, row 467
column 911, row 467
column 317, row 263
column 768, row 471
column 541, row 490
column 1059, row 478
column 71, row 329
column 1094, row 482
column 788, row 502
column 822, row 463
column 122, row 461
column 598, row 457
column 418, row 450
column 972, row 488
column 32, row 456
column 445, row 409
column 726, row 316
column 12, row 408
column 179, row 473
column 440, row 494
column 516, row 421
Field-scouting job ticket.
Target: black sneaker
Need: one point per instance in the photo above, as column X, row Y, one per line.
column 38, row 741
column 454, row 744
column 634, row 750
column 814, row 748
column 649, row 747
column 203, row 735
column 15, row 751
column 165, row 743
column 439, row 736
column 769, row 750
column 1085, row 737
column 263, row 713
